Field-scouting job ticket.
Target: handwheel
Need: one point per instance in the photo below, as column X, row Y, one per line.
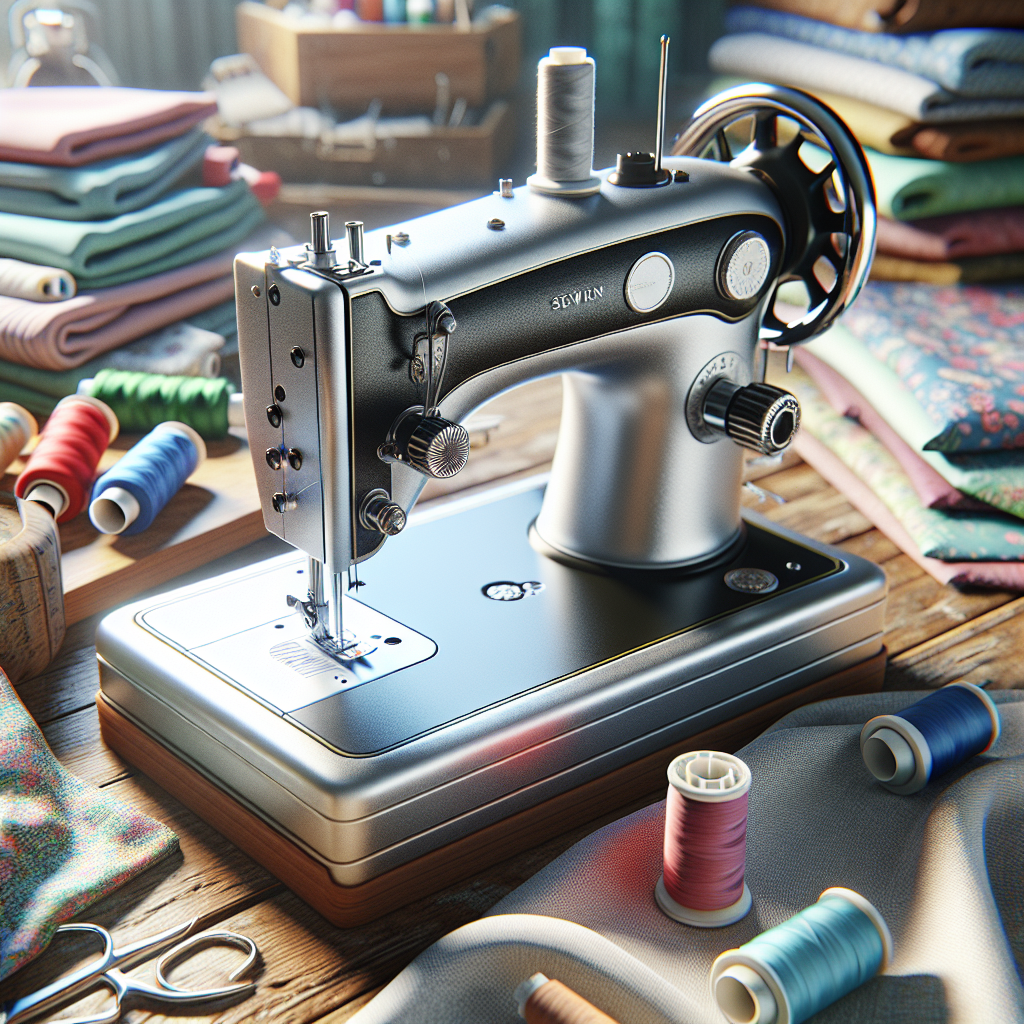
column 830, row 212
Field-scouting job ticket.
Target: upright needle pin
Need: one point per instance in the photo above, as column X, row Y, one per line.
column 662, row 103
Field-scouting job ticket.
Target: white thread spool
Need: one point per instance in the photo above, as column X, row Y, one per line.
column 17, row 427
column 565, row 124
column 38, row 284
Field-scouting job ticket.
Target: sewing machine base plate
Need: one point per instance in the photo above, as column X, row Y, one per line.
column 349, row 906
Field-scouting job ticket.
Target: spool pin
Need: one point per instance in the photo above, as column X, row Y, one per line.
column 749, row 989
column 17, row 427
column 565, row 124
column 905, row 751
column 541, row 1000
column 62, row 466
column 123, row 499
column 705, row 840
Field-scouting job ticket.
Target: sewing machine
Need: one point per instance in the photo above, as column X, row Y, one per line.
column 398, row 703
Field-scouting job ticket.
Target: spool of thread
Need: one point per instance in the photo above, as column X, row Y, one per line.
column 544, row 1001
column 905, row 751
column 799, row 967
column 17, row 427
column 129, row 496
column 565, row 124
column 209, row 405
column 62, row 467
column 705, row 840
column 38, row 284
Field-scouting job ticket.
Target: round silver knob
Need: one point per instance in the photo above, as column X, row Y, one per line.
column 433, row 445
column 758, row 416
column 743, row 266
column 378, row 512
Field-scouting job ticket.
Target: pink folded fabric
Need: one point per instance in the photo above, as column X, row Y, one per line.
column 73, row 125
column 933, row 490
column 1002, row 575
column 954, row 236
column 63, row 335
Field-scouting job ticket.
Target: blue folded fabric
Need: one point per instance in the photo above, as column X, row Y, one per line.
column 101, row 190
column 981, row 62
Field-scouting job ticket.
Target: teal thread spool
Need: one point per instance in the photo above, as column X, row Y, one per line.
column 799, row 967
column 209, row 405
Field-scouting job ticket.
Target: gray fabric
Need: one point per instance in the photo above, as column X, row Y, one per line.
column 943, row 866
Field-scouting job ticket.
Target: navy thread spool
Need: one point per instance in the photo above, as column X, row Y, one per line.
column 128, row 497
column 791, row 971
column 905, row 751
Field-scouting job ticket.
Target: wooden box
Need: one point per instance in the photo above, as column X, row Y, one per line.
column 396, row 64
column 472, row 156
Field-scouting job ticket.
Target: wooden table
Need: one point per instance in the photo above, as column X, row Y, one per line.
column 315, row 972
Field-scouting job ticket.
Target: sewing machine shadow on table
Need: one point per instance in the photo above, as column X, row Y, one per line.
column 391, row 710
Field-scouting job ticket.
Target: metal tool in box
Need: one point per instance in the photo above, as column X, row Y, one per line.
column 388, row 691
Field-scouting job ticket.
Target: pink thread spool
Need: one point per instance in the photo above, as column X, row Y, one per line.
column 705, row 840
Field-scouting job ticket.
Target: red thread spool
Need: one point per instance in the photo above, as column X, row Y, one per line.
column 62, row 467
column 705, row 840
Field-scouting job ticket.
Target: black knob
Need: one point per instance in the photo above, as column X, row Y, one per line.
column 274, row 415
column 637, row 170
column 274, row 458
column 378, row 512
column 295, row 458
column 432, row 445
column 758, row 416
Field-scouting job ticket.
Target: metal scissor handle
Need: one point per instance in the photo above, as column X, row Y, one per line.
column 106, row 970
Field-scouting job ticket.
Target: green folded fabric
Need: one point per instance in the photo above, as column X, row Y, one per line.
column 185, row 227
column 907, row 188
column 948, row 536
column 995, row 477
column 101, row 190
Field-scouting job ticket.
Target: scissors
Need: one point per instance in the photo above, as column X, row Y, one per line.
column 128, row 992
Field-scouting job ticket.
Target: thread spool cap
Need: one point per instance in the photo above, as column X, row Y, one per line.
column 23, row 416
column 111, row 416
column 566, row 55
column 526, row 989
column 744, row 996
column 114, row 510
column 709, row 775
column 50, row 494
column 236, row 409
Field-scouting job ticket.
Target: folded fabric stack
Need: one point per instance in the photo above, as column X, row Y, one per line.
column 119, row 222
column 913, row 406
column 934, row 91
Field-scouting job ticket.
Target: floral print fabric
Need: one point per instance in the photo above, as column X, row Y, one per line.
column 63, row 843
column 959, row 350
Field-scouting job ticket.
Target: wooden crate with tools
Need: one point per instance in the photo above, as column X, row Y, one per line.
column 348, row 67
column 467, row 156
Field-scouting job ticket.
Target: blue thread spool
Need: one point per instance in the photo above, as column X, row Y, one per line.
column 799, row 967
column 127, row 498
column 923, row 741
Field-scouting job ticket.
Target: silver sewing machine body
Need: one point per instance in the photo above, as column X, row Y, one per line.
column 390, row 690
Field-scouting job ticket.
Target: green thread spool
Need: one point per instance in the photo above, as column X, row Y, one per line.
column 142, row 400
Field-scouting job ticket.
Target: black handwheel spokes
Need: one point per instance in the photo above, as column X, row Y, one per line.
column 829, row 211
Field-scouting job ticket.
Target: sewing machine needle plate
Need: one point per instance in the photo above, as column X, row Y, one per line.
column 502, row 676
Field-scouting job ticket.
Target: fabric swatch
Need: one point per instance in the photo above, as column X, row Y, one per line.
column 968, row 61
column 949, row 537
column 910, row 189
column 182, row 349
column 63, row 335
column 954, row 236
column 846, row 373
column 958, row 350
column 895, row 16
column 101, row 190
column 182, row 228
column 899, row 135
column 63, row 844
column 1003, row 267
column 71, row 125
column 787, row 62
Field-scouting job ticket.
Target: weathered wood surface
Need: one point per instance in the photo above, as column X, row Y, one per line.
column 315, row 972
column 31, row 609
